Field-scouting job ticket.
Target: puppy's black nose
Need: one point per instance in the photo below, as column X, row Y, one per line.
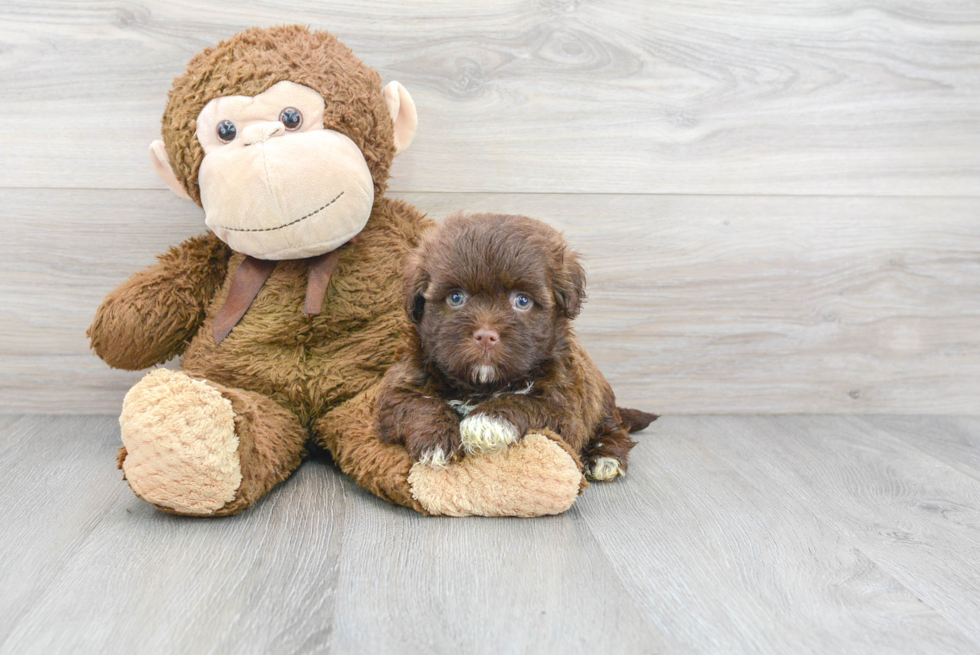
column 486, row 337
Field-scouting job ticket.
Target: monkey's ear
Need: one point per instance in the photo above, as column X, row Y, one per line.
column 401, row 107
column 570, row 283
column 416, row 280
column 161, row 164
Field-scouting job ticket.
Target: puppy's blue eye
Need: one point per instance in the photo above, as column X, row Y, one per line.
column 520, row 301
column 456, row 299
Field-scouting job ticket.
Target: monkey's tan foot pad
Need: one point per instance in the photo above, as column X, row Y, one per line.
column 482, row 434
column 181, row 446
column 535, row 477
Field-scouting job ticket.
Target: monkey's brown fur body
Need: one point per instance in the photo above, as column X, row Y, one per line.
column 543, row 377
column 278, row 363
column 216, row 437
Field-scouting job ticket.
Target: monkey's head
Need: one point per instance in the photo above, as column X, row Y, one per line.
column 285, row 138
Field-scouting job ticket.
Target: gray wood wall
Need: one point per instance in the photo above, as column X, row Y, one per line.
column 779, row 201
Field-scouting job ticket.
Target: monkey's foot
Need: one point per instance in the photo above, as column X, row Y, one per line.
column 181, row 445
column 535, row 477
column 483, row 434
column 604, row 469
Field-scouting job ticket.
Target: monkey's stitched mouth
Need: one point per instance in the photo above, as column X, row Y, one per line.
column 270, row 229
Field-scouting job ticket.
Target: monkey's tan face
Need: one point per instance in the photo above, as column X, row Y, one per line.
column 274, row 183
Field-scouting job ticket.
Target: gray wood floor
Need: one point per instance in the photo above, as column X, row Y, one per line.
column 731, row 534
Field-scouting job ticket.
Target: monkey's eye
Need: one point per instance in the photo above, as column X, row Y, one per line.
column 521, row 301
column 227, row 131
column 456, row 299
column 291, row 118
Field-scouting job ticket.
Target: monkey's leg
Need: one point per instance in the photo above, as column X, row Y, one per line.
column 538, row 476
column 607, row 454
column 348, row 432
column 198, row 448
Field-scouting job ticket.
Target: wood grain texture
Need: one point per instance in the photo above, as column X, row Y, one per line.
column 444, row 585
column 697, row 303
column 953, row 440
column 814, row 97
column 96, row 570
column 57, row 483
column 763, row 535
column 721, row 559
column 915, row 517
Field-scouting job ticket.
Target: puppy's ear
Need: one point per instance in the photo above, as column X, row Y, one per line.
column 416, row 280
column 569, row 282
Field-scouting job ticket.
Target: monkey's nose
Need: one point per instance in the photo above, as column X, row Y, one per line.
column 486, row 337
column 260, row 132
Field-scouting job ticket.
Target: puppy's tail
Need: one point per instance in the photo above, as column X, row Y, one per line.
column 634, row 420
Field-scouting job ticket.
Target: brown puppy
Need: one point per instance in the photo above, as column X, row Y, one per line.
column 492, row 355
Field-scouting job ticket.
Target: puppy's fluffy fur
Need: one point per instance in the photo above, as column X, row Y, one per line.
column 511, row 281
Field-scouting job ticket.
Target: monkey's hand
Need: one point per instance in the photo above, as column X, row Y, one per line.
column 152, row 315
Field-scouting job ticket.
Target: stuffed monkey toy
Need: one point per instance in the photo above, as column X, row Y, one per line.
column 288, row 311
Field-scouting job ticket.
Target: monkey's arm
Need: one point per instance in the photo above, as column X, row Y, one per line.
column 152, row 315
column 426, row 425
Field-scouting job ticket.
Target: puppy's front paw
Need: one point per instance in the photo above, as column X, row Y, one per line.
column 483, row 434
column 435, row 446
column 435, row 457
